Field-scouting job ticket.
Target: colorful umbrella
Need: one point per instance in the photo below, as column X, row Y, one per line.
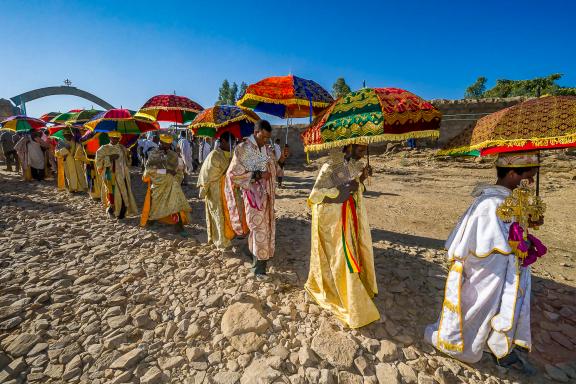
column 372, row 115
column 49, row 116
column 21, row 123
column 83, row 116
column 545, row 123
column 212, row 122
column 122, row 121
column 170, row 108
column 64, row 117
column 286, row 97
column 92, row 141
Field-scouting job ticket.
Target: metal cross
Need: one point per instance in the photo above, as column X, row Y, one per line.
column 67, row 83
column 522, row 206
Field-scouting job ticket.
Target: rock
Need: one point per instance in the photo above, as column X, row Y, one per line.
column 143, row 321
column 242, row 318
column 569, row 370
column 93, row 298
column 169, row 363
column 247, row 342
column 54, row 371
column 326, row 377
column 129, row 359
column 83, row 279
column 214, row 300
column 388, row 351
column 307, row 357
column 215, row 358
column 118, row 321
column 387, row 374
column 13, row 369
column 280, row 351
column 556, row 373
column 349, row 378
column 362, row 366
column 226, row 377
column 194, row 354
column 193, row 331
column 152, row 376
column 425, row 379
column 445, row 376
column 408, row 374
column 22, row 344
column 259, row 371
column 115, row 342
column 334, row 347
column 410, row 353
column 9, row 324
column 312, row 375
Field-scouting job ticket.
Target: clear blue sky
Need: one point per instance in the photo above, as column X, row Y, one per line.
column 127, row 51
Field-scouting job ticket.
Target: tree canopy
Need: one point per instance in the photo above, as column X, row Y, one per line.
column 228, row 94
column 510, row 88
column 340, row 88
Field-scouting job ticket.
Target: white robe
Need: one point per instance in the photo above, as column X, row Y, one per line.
column 487, row 296
column 186, row 152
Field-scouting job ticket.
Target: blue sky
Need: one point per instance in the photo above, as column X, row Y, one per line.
column 128, row 51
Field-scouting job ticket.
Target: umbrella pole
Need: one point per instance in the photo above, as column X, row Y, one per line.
column 538, row 178
column 368, row 161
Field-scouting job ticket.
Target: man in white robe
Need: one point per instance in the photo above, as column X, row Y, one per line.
column 487, row 296
column 185, row 150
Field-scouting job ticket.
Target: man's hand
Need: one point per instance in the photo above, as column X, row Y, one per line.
column 171, row 172
column 366, row 172
column 114, row 157
column 344, row 192
column 537, row 223
column 353, row 186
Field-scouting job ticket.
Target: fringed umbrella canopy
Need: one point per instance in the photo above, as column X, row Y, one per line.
column 120, row 120
column 372, row 115
column 212, row 122
column 170, row 108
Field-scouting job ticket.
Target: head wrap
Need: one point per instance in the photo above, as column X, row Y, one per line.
column 115, row 134
column 168, row 139
column 518, row 159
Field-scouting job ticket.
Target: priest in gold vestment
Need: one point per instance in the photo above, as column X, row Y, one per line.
column 342, row 277
column 70, row 169
column 165, row 200
column 112, row 166
column 211, row 185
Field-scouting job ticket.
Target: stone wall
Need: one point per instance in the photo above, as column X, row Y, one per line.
column 457, row 115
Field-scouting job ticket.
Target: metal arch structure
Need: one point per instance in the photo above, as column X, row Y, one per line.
column 21, row 100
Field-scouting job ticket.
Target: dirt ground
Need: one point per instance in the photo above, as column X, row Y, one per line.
column 414, row 201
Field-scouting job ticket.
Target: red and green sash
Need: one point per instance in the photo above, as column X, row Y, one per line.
column 350, row 250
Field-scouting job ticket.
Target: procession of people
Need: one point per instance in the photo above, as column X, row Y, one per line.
column 486, row 306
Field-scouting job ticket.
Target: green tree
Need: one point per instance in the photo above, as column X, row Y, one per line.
column 532, row 88
column 340, row 88
column 233, row 95
column 242, row 90
column 223, row 93
column 476, row 90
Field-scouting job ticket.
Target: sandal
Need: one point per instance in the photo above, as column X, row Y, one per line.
column 514, row 361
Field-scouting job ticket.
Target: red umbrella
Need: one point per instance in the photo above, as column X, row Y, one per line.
column 170, row 108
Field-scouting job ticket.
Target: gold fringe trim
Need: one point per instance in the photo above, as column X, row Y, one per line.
column 442, row 344
column 214, row 125
column 154, row 109
column 537, row 141
column 366, row 140
column 303, row 102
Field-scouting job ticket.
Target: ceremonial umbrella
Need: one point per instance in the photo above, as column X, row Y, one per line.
column 21, row 123
column 93, row 140
column 120, row 120
column 49, row 116
column 212, row 122
column 286, row 97
column 170, row 108
column 62, row 118
column 83, row 116
column 547, row 122
column 372, row 115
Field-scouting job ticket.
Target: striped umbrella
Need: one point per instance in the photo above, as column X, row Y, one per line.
column 212, row 122
column 21, row 123
column 120, row 120
column 170, row 108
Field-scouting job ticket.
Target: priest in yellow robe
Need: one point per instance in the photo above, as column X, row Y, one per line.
column 112, row 166
column 211, row 185
column 342, row 278
column 70, row 169
column 93, row 180
column 165, row 200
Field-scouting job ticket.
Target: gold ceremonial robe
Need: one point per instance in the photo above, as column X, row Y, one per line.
column 211, row 183
column 73, row 169
column 93, row 180
column 115, row 176
column 165, row 200
column 342, row 277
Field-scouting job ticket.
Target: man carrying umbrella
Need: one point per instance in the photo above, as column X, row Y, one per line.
column 113, row 167
column 342, row 278
column 7, row 145
column 211, row 184
column 487, row 297
column 165, row 201
column 253, row 169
